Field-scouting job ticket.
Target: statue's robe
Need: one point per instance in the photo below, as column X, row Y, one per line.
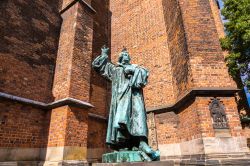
column 127, row 116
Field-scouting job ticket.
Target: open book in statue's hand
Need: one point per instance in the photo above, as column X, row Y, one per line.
column 129, row 69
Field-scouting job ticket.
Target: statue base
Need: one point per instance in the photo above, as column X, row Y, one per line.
column 122, row 157
column 153, row 163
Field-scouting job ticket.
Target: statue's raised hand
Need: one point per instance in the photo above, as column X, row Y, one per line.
column 105, row 51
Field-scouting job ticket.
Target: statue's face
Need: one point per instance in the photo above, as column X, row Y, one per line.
column 216, row 105
column 125, row 58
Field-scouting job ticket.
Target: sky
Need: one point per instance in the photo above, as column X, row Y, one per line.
column 248, row 96
column 247, row 93
column 221, row 3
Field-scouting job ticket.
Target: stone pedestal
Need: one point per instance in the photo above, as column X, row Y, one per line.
column 180, row 162
column 121, row 157
column 158, row 163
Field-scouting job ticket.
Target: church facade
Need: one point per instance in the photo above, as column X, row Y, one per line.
column 54, row 107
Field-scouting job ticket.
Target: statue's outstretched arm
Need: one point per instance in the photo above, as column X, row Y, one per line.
column 102, row 65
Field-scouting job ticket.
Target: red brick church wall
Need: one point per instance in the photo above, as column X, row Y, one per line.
column 99, row 95
column 140, row 26
column 176, row 40
column 29, row 39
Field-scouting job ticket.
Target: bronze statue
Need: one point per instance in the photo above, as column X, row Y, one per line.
column 127, row 126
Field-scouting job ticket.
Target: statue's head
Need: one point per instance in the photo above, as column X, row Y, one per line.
column 105, row 50
column 124, row 57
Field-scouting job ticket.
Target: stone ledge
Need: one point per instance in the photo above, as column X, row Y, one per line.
column 52, row 105
column 45, row 163
column 216, row 162
column 63, row 163
column 191, row 94
column 232, row 162
column 206, row 148
column 69, row 101
column 90, row 8
column 97, row 117
column 20, row 163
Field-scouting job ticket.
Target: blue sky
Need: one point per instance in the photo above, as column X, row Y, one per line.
column 248, row 96
column 247, row 93
column 221, row 3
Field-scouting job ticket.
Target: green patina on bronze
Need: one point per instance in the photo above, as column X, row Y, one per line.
column 127, row 126
column 123, row 156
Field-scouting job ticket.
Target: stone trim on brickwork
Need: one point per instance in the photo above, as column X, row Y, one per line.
column 37, row 104
column 52, row 105
column 47, row 106
column 19, row 154
column 63, row 153
column 69, row 101
column 213, row 92
column 97, row 116
column 90, row 8
column 191, row 94
column 208, row 146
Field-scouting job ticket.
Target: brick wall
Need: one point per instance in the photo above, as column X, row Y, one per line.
column 230, row 110
column 98, row 91
column 57, row 128
column 167, row 125
column 178, row 41
column 194, row 121
column 97, row 133
column 233, row 116
column 140, row 26
column 180, row 48
column 29, row 38
column 78, row 123
column 22, row 126
column 177, row 47
column 98, row 88
column 217, row 18
column 207, row 65
column 72, row 76
column 66, row 126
